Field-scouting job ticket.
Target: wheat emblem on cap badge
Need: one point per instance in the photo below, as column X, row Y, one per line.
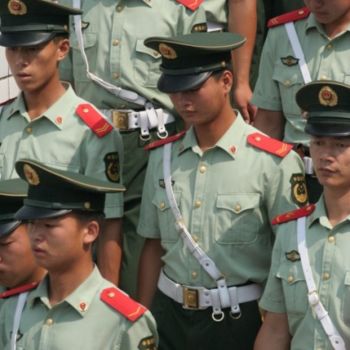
column 328, row 97
column 167, row 51
column 17, row 7
column 31, row 175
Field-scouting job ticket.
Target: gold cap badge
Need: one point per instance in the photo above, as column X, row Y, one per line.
column 167, row 51
column 31, row 175
column 17, row 7
column 328, row 97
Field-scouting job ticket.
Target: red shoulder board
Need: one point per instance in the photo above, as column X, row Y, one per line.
column 162, row 142
column 93, row 119
column 292, row 16
column 295, row 214
column 269, row 144
column 121, row 302
column 191, row 4
column 18, row 290
column 6, row 102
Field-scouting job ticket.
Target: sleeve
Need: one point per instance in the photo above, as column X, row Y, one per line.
column 266, row 93
column 141, row 335
column 273, row 297
column 148, row 225
column 103, row 159
column 279, row 189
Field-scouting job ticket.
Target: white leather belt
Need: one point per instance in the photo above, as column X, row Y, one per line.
column 199, row 298
column 145, row 120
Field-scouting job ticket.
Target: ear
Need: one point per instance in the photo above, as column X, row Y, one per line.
column 227, row 80
column 62, row 49
column 91, row 231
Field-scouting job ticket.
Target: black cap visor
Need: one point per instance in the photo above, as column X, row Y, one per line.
column 337, row 127
column 7, row 227
column 24, row 39
column 28, row 212
column 170, row 83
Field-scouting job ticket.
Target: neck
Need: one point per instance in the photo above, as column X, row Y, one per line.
column 36, row 276
column 209, row 134
column 337, row 203
column 64, row 282
column 38, row 102
column 333, row 29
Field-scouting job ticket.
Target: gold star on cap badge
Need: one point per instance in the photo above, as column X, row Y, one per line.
column 31, row 175
column 167, row 51
column 328, row 97
column 17, row 7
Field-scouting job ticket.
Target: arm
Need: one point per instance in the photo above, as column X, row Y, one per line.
column 273, row 334
column 149, row 269
column 242, row 19
column 270, row 122
column 109, row 250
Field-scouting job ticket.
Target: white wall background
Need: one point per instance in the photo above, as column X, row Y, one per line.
column 8, row 87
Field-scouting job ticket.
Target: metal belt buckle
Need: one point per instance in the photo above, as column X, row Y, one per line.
column 120, row 119
column 190, row 298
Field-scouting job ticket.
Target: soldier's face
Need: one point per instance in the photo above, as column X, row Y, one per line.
column 330, row 11
column 61, row 243
column 331, row 157
column 35, row 67
column 17, row 263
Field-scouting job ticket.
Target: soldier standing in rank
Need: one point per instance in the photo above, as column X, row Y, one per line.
column 121, row 81
column 47, row 121
column 307, row 295
column 304, row 45
column 206, row 220
column 73, row 307
column 19, row 271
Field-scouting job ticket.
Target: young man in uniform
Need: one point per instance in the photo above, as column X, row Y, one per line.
column 47, row 121
column 307, row 295
column 301, row 46
column 122, row 84
column 73, row 307
column 206, row 220
column 19, row 271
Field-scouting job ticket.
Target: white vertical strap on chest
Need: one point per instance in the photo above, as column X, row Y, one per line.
column 22, row 298
column 314, row 300
column 220, row 296
column 127, row 95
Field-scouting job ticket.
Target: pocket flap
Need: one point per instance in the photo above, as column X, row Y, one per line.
column 291, row 272
column 238, row 203
column 89, row 40
column 140, row 47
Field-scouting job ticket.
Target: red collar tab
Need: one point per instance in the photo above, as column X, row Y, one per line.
column 270, row 145
column 93, row 119
column 18, row 290
column 294, row 214
column 162, row 142
column 191, row 4
column 121, row 302
column 292, row 16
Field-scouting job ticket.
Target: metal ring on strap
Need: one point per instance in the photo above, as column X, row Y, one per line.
column 217, row 316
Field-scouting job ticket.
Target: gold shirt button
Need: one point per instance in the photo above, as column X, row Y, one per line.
column 237, row 208
column 326, row 276
column 49, row 321
column 197, row 204
column 290, row 279
column 29, row 130
column 329, row 46
column 119, row 8
column 287, row 82
column 161, row 205
column 116, row 42
column 202, row 169
column 116, row 75
column 331, row 239
column 194, row 274
column 324, row 77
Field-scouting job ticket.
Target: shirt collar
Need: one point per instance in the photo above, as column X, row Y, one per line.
column 312, row 23
column 80, row 299
column 60, row 110
column 229, row 142
column 148, row 2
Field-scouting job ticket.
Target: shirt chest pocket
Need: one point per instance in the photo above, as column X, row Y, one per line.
column 146, row 65
column 90, row 48
column 289, row 80
column 294, row 287
column 166, row 218
column 237, row 218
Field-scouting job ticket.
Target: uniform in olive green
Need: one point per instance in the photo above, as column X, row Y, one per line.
column 286, row 290
column 113, row 33
column 279, row 78
column 81, row 321
column 2, row 289
column 216, row 11
column 61, row 139
column 227, row 196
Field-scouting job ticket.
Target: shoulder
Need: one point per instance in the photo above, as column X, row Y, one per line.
column 159, row 143
column 93, row 119
column 18, row 290
column 294, row 214
column 193, row 5
column 292, row 16
column 122, row 303
column 268, row 144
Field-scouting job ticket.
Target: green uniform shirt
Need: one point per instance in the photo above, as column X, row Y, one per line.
column 216, row 11
column 61, row 139
column 80, row 321
column 279, row 80
column 227, row 196
column 286, row 289
column 2, row 289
